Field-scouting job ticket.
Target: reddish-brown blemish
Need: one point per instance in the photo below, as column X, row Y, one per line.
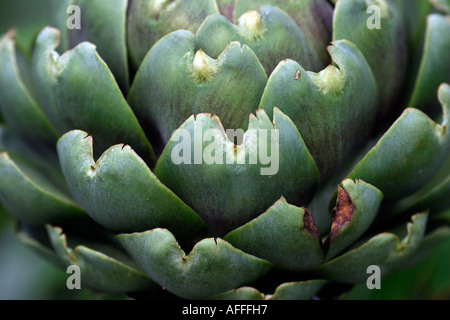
column 342, row 214
column 310, row 227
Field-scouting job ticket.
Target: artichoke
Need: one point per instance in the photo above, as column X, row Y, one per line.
column 247, row 149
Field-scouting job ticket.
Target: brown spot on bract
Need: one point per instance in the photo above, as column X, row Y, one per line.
column 228, row 11
column 310, row 227
column 342, row 214
column 297, row 75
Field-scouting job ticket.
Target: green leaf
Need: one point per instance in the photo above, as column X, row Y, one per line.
column 78, row 91
column 432, row 197
column 385, row 48
column 442, row 5
column 42, row 159
column 20, row 110
column 30, row 197
column 408, row 154
column 431, row 241
column 333, row 109
column 244, row 293
column 212, row 267
column 314, row 17
column 285, row 235
column 32, row 188
column 174, row 82
column 228, row 184
column 304, row 290
column 104, row 24
column 28, row 237
column 58, row 19
column 269, row 32
column 434, row 200
column 150, row 20
column 119, row 191
column 434, row 67
column 414, row 14
column 98, row 270
column 428, row 280
column 385, row 250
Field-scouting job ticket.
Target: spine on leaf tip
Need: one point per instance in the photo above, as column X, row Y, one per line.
column 203, row 66
column 329, row 80
column 250, row 25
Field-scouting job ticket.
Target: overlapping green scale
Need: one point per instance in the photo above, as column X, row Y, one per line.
column 150, row 20
column 19, row 107
column 302, row 290
column 385, row 250
column 212, row 267
column 314, row 18
column 409, row 153
column 176, row 81
column 119, row 191
column 269, row 32
column 385, row 48
column 78, row 91
column 434, row 68
column 333, row 109
column 229, row 184
column 113, row 274
column 104, row 24
column 43, row 197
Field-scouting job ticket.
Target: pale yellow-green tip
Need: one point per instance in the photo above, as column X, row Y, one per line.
column 250, row 25
column 329, row 80
column 203, row 66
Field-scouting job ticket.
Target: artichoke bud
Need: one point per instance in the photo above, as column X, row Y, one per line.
column 203, row 66
column 250, row 25
column 329, row 80
column 225, row 204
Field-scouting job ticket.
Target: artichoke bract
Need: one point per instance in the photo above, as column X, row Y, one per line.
column 247, row 149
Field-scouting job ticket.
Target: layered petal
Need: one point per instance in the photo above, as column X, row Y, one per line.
column 119, row 191
column 212, row 267
column 333, row 109
column 175, row 81
column 229, row 184
column 78, row 91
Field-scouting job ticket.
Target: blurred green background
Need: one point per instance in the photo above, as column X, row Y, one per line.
column 24, row 275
